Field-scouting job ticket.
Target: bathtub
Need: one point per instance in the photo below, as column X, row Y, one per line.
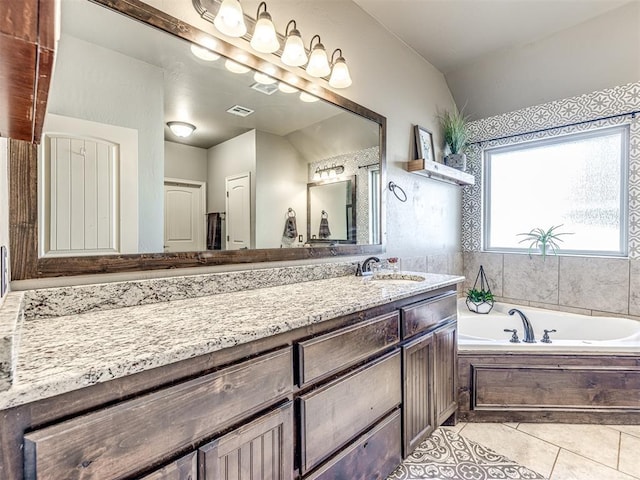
column 573, row 332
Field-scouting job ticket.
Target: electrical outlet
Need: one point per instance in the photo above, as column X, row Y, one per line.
column 4, row 278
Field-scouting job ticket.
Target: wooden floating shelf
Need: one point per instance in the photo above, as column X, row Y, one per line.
column 439, row 171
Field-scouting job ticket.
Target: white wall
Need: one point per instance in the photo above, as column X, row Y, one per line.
column 281, row 182
column 185, row 162
column 597, row 54
column 94, row 83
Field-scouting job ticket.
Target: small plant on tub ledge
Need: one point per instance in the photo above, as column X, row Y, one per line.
column 479, row 298
column 544, row 241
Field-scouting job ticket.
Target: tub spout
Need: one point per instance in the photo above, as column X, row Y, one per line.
column 529, row 337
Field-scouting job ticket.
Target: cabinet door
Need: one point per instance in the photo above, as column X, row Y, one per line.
column 417, row 405
column 260, row 450
column 445, row 378
column 185, row 468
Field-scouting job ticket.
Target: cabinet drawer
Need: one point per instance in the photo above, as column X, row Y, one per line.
column 185, row 468
column 329, row 353
column 373, row 456
column 120, row 440
column 336, row 413
column 422, row 316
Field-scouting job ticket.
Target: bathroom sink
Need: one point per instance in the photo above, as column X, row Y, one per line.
column 396, row 278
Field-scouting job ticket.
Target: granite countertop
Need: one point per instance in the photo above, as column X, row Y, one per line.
column 65, row 353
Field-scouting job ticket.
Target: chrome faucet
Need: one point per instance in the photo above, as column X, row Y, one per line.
column 365, row 266
column 529, row 337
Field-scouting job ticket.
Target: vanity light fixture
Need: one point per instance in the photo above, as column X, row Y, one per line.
column 340, row 77
column 286, row 88
column 308, row 98
column 293, row 53
column 328, row 172
column 264, row 39
column 181, row 129
column 230, row 19
column 318, row 65
column 204, row 53
column 264, row 78
column 236, row 67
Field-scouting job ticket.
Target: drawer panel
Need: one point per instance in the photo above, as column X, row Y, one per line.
column 185, row 468
column 121, row 439
column 333, row 415
column 372, row 457
column 329, row 353
column 422, row 316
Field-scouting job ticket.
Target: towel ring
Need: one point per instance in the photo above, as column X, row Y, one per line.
column 402, row 196
column 291, row 212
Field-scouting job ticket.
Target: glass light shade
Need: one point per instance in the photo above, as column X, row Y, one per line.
column 307, row 97
column 285, row 88
column 204, row 53
column 264, row 37
column 263, row 78
column 236, row 67
column 230, row 19
column 181, row 129
column 318, row 62
column 294, row 53
column 340, row 77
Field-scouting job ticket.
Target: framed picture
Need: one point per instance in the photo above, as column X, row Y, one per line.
column 424, row 143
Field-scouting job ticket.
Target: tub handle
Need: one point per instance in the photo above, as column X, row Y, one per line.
column 545, row 337
column 514, row 336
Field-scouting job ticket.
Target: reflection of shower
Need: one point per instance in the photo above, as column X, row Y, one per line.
column 323, row 231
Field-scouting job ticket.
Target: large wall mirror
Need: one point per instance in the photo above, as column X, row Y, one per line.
column 118, row 190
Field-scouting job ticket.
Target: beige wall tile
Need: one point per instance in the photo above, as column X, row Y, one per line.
column 438, row 263
column 414, row 264
column 595, row 283
column 561, row 308
column 456, row 265
column 532, row 278
column 492, row 263
column 634, row 287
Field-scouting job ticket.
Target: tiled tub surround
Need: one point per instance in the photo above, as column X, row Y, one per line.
column 64, row 353
column 585, row 285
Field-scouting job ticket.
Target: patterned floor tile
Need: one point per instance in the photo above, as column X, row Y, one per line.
column 447, row 455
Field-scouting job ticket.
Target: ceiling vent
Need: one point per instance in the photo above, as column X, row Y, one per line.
column 266, row 89
column 240, row 111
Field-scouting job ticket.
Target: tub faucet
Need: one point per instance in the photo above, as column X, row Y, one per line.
column 529, row 337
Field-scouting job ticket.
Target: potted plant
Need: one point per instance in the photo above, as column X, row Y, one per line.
column 455, row 138
column 543, row 240
column 479, row 301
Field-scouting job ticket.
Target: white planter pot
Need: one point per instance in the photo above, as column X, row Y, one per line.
column 456, row 160
column 483, row 307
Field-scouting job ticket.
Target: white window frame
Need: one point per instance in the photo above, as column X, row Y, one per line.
column 624, row 192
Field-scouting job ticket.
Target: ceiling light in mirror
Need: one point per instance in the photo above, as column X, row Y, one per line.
column 181, row 129
column 293, row 53
column 204, row 53
column 318, row 62
column 264, row 79
column 264, row 39
column 340, row 77
column 285, row 88
column 230, row 19
column 236, row 67
column 307, row 97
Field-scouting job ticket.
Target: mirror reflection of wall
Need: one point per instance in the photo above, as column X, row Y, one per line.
column 117, row 72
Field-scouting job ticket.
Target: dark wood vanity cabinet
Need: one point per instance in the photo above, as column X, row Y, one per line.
column 344, row 399
column 429, row 354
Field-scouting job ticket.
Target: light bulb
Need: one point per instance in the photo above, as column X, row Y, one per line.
column 307, row 97
column 204, row 53
column 230, row 19
column 318, row 62
column 264, row 37
column 236, row 67
column 340, row 77
column 293, row 53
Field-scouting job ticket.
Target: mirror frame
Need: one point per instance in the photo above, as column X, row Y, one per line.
column 23, row 183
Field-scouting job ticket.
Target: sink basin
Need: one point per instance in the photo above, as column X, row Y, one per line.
column 397, row 278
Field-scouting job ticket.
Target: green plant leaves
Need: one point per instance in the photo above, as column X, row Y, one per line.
column 544, row 240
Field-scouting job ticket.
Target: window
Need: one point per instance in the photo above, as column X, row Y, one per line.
column 374, row 206
column 578, row 181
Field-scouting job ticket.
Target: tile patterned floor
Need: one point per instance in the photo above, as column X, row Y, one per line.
column 493, row 451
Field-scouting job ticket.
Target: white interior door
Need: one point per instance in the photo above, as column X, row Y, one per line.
column 238, row 207
column 184, row 216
